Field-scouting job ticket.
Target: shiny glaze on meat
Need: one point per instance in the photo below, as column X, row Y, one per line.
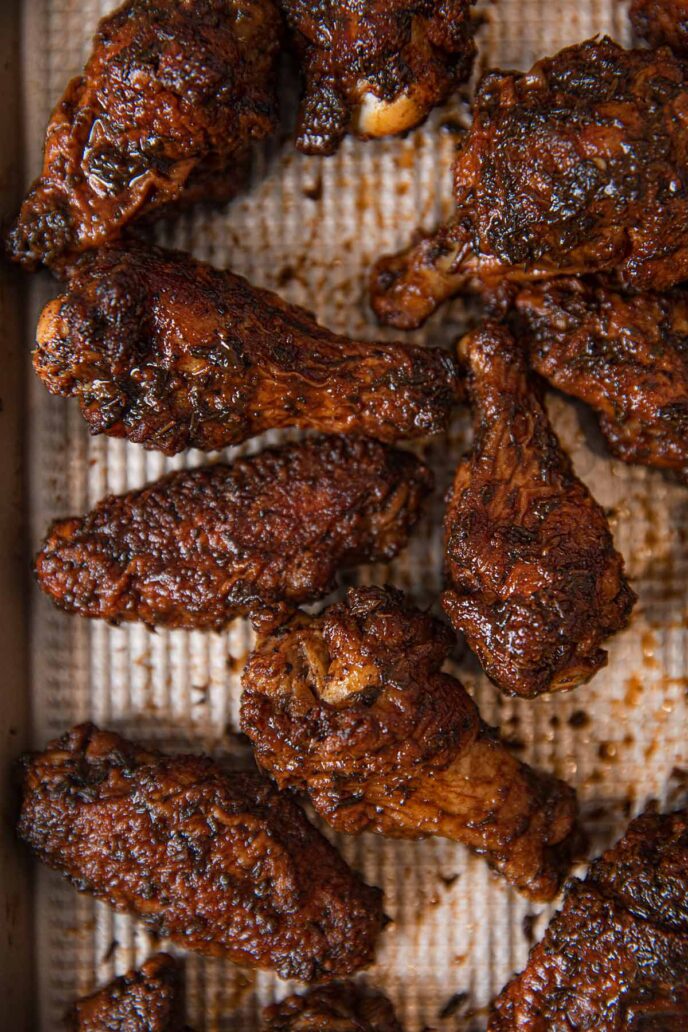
column 147, row 1000
column 662, row 23
column 340, row 1007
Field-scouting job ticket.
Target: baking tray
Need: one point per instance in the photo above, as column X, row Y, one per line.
column 309, row 228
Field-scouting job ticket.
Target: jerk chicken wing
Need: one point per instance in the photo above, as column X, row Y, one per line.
column 172, row 95
column 662, row 22
column 376, row 67
column 351, row 707
column 259, row 537
column 171, row 353
column 577, row 166
column 626, row 356
column 147, row 1000
column 615, row 957
column 218, row 862
column 340, row 1007
column 534, row 581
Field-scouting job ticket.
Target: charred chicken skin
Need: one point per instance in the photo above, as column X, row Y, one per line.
column 626, row 356
column 147, row 1000
column 615, row 957
column 376, row 67
column 577, row 166
column 172, row 95
column 340, row 1007
column 662, row 22
column 171, row 353
column 534, row 582
column 218, row 862
column 257, row 538
column 351, row 707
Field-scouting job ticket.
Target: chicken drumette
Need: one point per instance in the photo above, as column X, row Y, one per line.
column 376, row 67
column 171, row 97
column 147, row 1000
column 662, row 22
column 534, row 581
column 172, row 353
column 577, row 166
column 351, row 707
column 615, row 957
column 340, row 1007
column 257, row 538
column 625, row 355
column 218, row 862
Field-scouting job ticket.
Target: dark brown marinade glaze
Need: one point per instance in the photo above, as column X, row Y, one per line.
column 351, row 707
column 218, row 862
column 149, row 999
column 256, row 538
column 171, row 353
column 662, row 23
column 340, row 1007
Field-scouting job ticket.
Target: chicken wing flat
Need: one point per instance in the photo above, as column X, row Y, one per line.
column 376, row 67
column 218, row 862
column 662, row 22
column 173, row 354
column 534, row 581
column 615, row 957
column 576, row 166
column 257, row 538
column 173, row 93
column 339, row 1007
column 626, row 356
column 351, row 707
column 147, row 1000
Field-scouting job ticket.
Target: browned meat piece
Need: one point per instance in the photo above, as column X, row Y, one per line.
column 173, row 93
column 147, row 1000
column 615, row 957
column 171, row 353
column 576, row 166
column 376, row 67
column 341, row 1007
column 270, row 532
column 534, row 581
column 218, row 862
column 627, row 356
column 662, row 22
column 351, row 707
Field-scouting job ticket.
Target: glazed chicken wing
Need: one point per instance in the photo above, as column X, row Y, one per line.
column 625, row 355
column 376, row 67
column 173, row 93
column 615, row 957
column 534, row 581
column 351, row 707
column 340, row 1007
column 218, row 862
column 259, row 537
column 147, row 1000
column 662, row 22
column 171, row 353
column 577, row 166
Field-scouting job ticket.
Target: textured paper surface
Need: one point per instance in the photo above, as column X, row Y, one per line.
column 311, row 228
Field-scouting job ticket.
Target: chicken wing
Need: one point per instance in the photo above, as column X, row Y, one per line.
column 576, row 166
column 257, row 538
column 218, row 862
column 376, row 67
column 172, row 94
column 340, row 1007
column 351, row 707
column 662, row 22
column 171, row 353
column 147, row 1000
column 626, row 356
column 615, row 957
column 534, row 581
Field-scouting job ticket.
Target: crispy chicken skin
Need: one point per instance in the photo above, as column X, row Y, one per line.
column 615, row 957
column 257, row 538
column 534, row 582
column 351, row 707
column 577, row 166
column 171, row 353
column 340, row 1007
column 662, row 22
column 625, row 355
column 173, row 93
column 147, row 1000
column 376, row 67
column 218, row 862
